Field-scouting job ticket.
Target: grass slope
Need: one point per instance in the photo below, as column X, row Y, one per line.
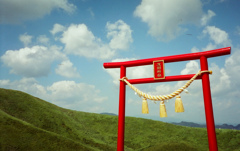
column 29, row 123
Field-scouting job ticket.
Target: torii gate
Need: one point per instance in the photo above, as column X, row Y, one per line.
column 203, row 56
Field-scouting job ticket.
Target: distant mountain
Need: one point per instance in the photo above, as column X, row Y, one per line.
column 191, row 124
column 105, row 113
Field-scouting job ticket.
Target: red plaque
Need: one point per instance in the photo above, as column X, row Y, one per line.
column 158, row 68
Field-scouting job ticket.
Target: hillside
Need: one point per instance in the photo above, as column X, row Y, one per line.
column 29, row 123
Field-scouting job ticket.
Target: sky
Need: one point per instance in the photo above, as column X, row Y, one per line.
column 55, row 50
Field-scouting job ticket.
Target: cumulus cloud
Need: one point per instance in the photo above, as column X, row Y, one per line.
column 210, row 46
column 218, row 36
column 25, row 39
column 67, row 69
column 29, row 85
column 32, row 61
column 57, row 28
column 191, row 68
column 67, row 94
column 165, row 17
column 195, row 49
column 207, row 17
column 17, row 11
column 220, row 80
column 79, row 40
column 43, row 39
column 120, row 34
column 70, row 90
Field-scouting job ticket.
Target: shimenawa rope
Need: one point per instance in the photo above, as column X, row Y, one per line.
column 164, row 97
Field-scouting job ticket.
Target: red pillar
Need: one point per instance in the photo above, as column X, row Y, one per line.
column 212, row 140
column 121, row 112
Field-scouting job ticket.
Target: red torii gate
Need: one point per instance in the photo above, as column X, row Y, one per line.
column 203, row 56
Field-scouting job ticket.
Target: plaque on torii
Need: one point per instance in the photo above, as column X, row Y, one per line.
column 158, row 68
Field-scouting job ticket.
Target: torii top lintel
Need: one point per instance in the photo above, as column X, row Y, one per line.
column 168, row 59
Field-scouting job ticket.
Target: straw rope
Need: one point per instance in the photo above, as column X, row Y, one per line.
column 163, row 97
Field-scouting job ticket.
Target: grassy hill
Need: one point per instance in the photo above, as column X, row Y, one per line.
column 29, row 123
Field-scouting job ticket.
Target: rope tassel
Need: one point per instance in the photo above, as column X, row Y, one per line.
column 145, row 106
column 163, row 112
column 178, row 104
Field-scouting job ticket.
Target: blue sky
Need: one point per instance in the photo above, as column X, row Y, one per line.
column 55, row 50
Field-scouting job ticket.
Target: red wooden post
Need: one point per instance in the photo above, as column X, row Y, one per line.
column 121, row 111
column 212, row 140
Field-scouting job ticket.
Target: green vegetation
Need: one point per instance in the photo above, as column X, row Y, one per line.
column 29, row 123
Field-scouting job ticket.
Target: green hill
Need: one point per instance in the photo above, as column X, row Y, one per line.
column 29, row 123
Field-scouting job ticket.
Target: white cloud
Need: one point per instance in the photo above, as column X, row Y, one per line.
column 207, row 17
column 25, row 39
column 210, row 46
column 120, row 34
column 43, row 39
column 165, row 17
column 66, row 69
column 220, row 80
column 220, row 37
column 79, row 40
column 195, row 49
column 67, row 94
column 115, row 74
column 32, row 62
column 192, row 67
column 14, row 11
column 29, row 85
column 67, row 90
column 57, row 28
column 77, row 96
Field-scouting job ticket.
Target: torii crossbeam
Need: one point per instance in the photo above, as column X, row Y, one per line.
column 202, row 56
